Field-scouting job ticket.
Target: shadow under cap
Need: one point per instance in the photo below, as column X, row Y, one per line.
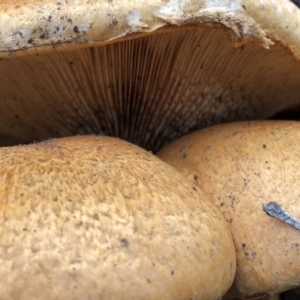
column 146, row 72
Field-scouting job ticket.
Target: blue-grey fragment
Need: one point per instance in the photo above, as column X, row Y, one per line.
column 275, row 210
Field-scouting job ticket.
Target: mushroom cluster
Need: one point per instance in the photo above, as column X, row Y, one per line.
column 99, row 218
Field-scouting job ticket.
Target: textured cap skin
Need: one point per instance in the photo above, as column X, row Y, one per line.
column 242, row 167
column 99, row 218
column 44, row 25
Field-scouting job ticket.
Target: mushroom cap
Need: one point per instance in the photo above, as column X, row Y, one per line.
column 99, row 218
column 33, row 27
column 146, row 71
column 242, row 167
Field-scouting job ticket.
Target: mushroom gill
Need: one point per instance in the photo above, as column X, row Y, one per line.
column 146, row 72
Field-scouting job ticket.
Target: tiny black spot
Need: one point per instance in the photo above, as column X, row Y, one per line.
column 244, row 7
column 221, row 204
column 172, row 272
column 76, row 29
column 264, row 146
column 115, row 22
column 30, row 41
column 243, row 245
column 124, row 242
column 195, row 177
column 43, row 35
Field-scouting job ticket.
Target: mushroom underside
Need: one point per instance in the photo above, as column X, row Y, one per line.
column 148, row 90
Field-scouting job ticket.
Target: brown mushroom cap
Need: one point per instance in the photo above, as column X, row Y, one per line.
column 242, row 167
column 99, row 218
column 145, row 71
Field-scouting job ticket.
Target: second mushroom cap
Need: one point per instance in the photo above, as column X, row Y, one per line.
column 242, row 167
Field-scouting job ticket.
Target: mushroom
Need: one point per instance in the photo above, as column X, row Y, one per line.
column 245, row 168
column 145, row 71
column 98, row 218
